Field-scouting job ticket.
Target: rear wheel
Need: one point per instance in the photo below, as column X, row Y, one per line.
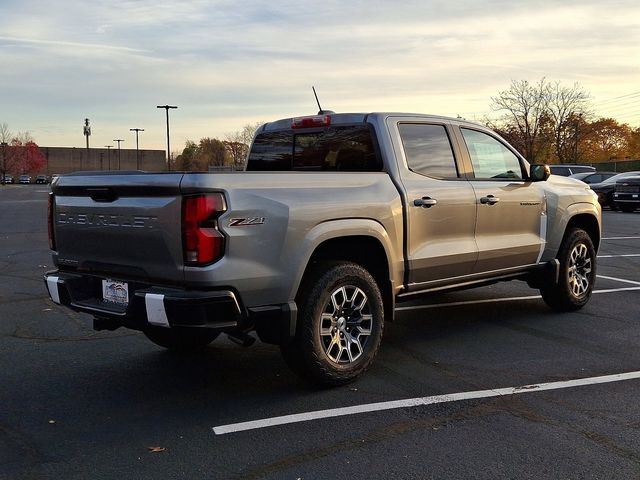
column 180, row 339
column 341, row 320
column 577, row 259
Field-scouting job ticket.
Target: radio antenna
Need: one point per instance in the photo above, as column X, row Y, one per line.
column 320, row 110
column 317, row 101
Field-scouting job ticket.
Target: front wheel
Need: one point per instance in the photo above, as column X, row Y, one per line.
column 577, row 258
column 341, row 320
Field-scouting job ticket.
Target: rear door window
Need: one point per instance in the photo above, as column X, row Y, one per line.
column 428, row 150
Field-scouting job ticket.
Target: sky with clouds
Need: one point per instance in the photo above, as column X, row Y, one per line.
column 229, row 63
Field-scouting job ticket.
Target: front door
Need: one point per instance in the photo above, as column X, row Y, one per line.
column 511, row 211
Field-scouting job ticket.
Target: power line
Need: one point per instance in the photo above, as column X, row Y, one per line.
column 631, row 102
column 630, row 113
column 618, row 112
column 614, row 99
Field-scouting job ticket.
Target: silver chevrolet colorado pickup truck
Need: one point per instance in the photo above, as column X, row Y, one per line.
column 337, row 218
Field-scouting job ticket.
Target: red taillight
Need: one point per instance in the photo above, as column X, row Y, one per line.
column 50, row 213
column 312, row 121
column 201, row 240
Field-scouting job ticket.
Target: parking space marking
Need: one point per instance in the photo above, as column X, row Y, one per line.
column 618, row 280
column 620, row 238
column 617, row 256
column 420, row 401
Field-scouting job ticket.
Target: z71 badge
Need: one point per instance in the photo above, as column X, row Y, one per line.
column 246, row 222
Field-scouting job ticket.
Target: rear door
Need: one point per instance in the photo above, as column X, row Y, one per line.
column 511, row 211
column 124, row 225
column 440, row 201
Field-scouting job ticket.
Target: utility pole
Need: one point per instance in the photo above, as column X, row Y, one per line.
column 166, row 108
column 118, row 140
column 137, row 154
column 109, row 147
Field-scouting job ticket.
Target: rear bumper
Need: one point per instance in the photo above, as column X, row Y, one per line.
column 148, row 305
column 220, row 310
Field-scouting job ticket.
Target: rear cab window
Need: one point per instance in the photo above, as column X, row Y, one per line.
column 349, row 148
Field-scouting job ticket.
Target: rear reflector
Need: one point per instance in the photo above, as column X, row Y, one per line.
column 202, row 242
column 312, row 121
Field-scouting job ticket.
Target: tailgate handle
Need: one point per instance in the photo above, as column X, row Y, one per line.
column 101, row 194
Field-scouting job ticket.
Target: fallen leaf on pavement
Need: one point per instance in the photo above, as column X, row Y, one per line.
column 156, row 449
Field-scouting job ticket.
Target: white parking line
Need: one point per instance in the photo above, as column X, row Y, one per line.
column 620, row 238
column 415, row 402
column 617, row 256
column 618, row 280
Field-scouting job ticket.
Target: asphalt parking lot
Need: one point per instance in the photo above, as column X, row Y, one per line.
column 75, row 403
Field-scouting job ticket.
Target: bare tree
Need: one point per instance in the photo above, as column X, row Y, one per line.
column 238, row 143
column 567, row 107
column 525, row 105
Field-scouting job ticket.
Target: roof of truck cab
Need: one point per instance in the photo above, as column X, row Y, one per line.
column 353, row 118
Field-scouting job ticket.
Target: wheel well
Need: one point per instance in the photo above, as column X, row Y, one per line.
column 589, row 224
column 363, row 250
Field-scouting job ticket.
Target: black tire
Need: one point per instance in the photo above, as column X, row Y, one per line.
column 577, row 258
column 628, row 208
column 612, row 205
column 180, row 339
column 340, row 324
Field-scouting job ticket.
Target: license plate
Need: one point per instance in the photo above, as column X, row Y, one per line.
column 115, row 292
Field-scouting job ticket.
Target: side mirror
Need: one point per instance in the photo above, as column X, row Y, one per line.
column 539, row 172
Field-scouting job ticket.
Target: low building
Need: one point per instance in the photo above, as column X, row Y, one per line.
column 60, row 160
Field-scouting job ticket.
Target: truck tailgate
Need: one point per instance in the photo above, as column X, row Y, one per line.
column 125, row 224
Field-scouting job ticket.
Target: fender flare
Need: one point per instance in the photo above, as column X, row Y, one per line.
column 342, row 228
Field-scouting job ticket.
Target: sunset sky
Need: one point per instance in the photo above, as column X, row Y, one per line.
column 229, row 63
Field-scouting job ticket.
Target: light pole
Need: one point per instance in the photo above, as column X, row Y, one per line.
column 109, row 147
column 86, row 130
column 4, row 146
column 118, row 140
column 166, row 108
column 137, row 155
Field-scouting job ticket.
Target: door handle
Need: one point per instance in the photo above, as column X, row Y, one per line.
column 425, row 202
column 489, row 200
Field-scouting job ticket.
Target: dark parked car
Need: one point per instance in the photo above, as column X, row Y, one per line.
column 589, row 177
column 43, row 179
column 568, row 169
column 24, row 179
column 8, row 178
column 605, row 189
column 626, row 194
